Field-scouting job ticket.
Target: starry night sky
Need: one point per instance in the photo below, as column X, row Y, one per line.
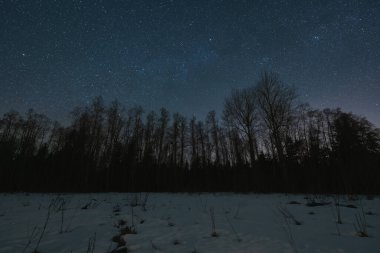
column 186, row 55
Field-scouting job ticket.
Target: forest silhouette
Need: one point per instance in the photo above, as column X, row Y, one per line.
column 264, row 141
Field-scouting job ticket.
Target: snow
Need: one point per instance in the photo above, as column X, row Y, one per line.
column 182, row 223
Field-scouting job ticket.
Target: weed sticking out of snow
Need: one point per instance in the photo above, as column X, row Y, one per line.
column 286, row 214
column 61, row 205
column 212, row 217
column 336, row 209
column 237, row 212
column 360, row 223
column 140, row 199
column 52, row 205
column 91, row 244
column 289, row 234
column 232, row 226
column 154, row 246
column 31, row 238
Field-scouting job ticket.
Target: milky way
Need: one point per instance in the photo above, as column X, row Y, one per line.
column 186, row 55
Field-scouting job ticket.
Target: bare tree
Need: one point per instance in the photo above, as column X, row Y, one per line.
column 174, row 137
column 276, row 101
column 97, row 110
column 214, row 131
column 183, row 138
column 178, row 138
column 234, row 142
column 240, row 111
column 194, row 143
column 151, row 124
column 161, row 132
column 138, row 131
column 9, row 126
column 114, row 125
column 202, row 141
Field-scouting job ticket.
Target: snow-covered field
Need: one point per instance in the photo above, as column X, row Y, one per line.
column 183, row 223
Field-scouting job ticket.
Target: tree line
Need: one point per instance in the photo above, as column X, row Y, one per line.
column 264, row 141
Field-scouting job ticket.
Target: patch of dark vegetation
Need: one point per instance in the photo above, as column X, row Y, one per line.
column 362, row 234
column 119, row 240
column 120, row 250
column 315, row 203
column 128, row 230
column 116, row 238
column 120, row 223
column 116, row 209
column 214, row 234
column 93, row 203
column 350, row 206
column 124, row 229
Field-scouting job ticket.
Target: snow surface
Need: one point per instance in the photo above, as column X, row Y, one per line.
column 182, row 223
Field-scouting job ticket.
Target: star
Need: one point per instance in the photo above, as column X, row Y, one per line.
column 316, row 38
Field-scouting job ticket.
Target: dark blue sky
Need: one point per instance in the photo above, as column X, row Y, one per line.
column 186, row 55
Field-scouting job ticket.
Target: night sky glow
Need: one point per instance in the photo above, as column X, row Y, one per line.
column 186, row 55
